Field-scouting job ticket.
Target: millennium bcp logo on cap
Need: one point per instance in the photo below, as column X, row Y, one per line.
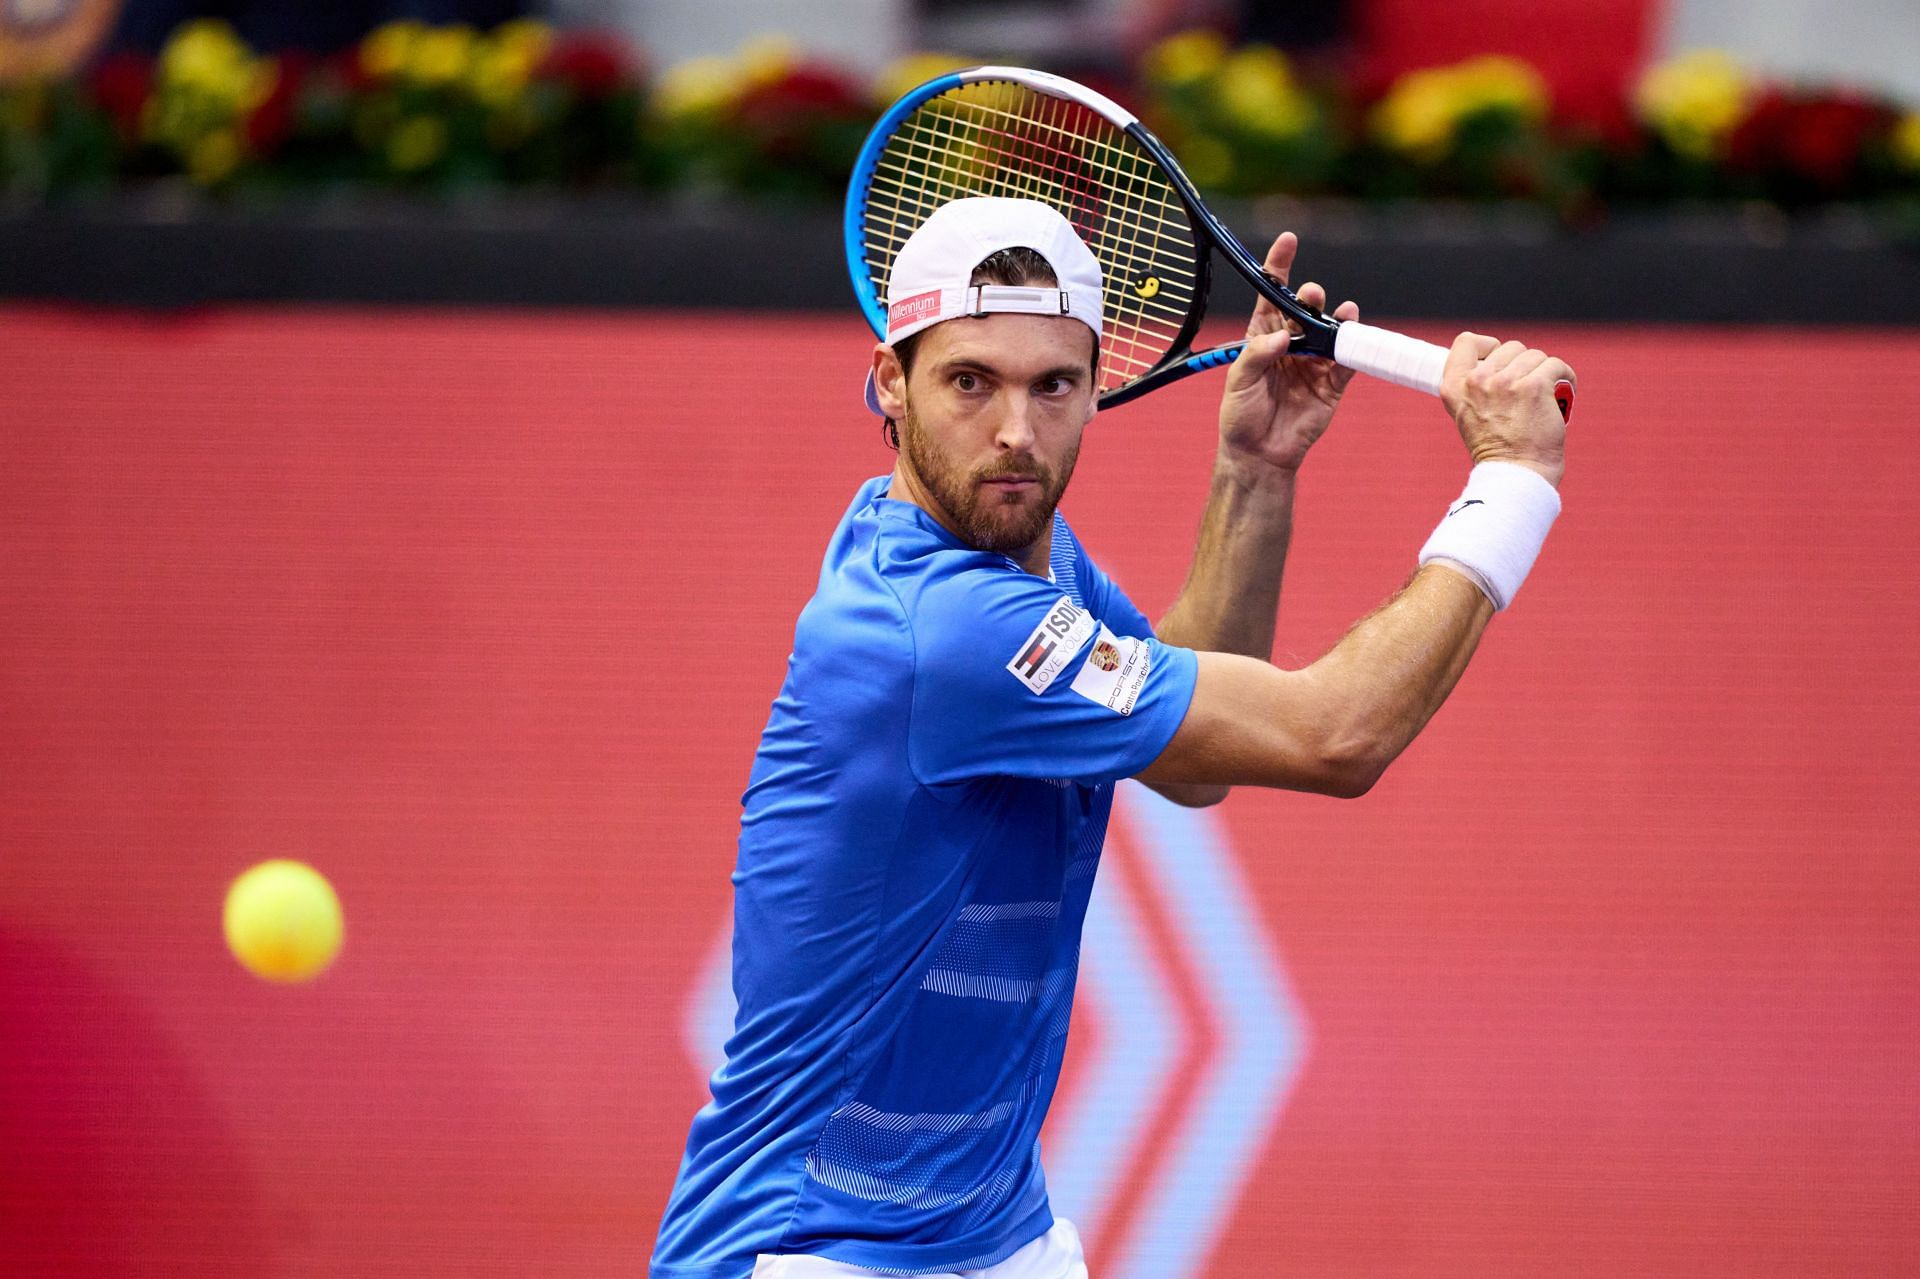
column 912, row 310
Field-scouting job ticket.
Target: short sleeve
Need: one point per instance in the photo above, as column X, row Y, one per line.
column 1115, row 609
column 1012, row 678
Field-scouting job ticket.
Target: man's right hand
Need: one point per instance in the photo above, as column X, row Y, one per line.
column 1500, row 395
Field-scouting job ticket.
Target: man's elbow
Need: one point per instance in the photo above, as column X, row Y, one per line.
column 1348, row 769
column 1193, row 794
column 1351, row 784
column 1204, row 796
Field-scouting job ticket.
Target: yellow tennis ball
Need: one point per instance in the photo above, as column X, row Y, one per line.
column 283, row 921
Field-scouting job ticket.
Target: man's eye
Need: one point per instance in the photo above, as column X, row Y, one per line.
column 965, row 382
column 1055, row 386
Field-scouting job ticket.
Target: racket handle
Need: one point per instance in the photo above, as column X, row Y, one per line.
column 1409, row 362
column 1389, row 356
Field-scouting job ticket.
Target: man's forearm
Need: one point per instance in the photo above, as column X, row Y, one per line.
column 1232, row 593
column 1387, row 676
column 1336, row 725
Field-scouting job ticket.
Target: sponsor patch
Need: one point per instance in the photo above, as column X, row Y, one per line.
column 910, row 310
column 1061, row 633
column 1114, row 672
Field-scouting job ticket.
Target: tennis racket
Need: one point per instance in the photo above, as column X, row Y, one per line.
column 1008, row 131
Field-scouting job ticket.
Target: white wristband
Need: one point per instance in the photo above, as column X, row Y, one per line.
column 1495, row 531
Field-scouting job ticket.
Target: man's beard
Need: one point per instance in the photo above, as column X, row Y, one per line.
column 985, row 519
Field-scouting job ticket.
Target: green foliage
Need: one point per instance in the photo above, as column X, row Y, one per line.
column 446, row 109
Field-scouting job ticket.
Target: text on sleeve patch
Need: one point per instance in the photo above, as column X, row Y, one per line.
column 1114, row 672
column 1061, row 633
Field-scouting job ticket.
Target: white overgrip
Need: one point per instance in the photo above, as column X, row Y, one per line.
column 1389, row 356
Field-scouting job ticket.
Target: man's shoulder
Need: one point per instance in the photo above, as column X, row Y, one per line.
column 919, row 563
column 892, row 571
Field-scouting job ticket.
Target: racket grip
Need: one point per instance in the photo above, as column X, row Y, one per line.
column 1389, row 356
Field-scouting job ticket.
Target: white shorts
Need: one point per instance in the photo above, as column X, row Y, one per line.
column 1054, row 1255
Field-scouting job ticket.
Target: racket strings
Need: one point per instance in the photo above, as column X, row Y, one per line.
column 1112, row 154
column 1031, row 168
column 1045, row 158
column 1132, row 355
column 926, row 156
column 999, row 138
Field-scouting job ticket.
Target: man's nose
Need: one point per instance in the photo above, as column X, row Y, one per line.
column 1015, row 428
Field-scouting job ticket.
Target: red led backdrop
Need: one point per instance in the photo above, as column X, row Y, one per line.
column 1616, row 972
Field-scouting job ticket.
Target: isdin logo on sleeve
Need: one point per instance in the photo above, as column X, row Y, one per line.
column 1063, row 632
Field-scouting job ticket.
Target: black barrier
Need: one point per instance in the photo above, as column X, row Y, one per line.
column 1421, row 261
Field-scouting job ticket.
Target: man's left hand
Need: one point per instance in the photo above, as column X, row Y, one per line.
column 1276, row 405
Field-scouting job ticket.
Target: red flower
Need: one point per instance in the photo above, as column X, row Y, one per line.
column 1824, row 138
column 594, row 66
column 272, row 120
column 121, row 85
column 343, row 68
column 1751, row 146
column 785, row 117
column 1818, row 139
column 802, row 95
column 1612, row 123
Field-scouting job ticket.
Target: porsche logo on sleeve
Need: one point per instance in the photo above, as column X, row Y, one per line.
column 1115, row 673
column 1062, row 633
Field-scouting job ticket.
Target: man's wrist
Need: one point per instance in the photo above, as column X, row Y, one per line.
column 1550, row 471
column 1494, row 532
column 1255, row 475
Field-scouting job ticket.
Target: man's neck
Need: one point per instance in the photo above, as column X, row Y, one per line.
column 1036, row 559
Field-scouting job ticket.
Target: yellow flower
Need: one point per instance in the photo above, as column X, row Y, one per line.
column 441, row 55
column 214, row 156
column 504, row 62
column 1207, row 160
column 1422, row 112
column 1255, row 86
column 527, row 38
column 1184, row 58
column 697, row 87
column 205, row 56
column 417, row 143
column 262, row 77
column 766, row 59
column 1906, row 141
column 494, row 81
column 1495, row 83
column 1694, row 101
column 1418, row 114
column 913, row 70
column 386, row 51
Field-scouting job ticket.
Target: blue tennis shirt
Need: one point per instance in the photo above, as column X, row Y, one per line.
column 920, row 835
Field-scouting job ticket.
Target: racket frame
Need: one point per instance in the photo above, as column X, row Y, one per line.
column 1316, row 332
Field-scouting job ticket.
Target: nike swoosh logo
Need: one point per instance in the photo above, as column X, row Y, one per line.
column 1461, row 506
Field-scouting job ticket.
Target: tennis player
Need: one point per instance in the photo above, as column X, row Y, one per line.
column 930, row 796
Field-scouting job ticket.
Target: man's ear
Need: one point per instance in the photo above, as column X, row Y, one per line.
column 889, row 382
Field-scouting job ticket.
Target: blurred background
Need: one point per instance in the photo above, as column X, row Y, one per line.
column 420, row 424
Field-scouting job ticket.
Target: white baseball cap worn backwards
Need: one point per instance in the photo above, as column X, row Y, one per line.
column 932, row 274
